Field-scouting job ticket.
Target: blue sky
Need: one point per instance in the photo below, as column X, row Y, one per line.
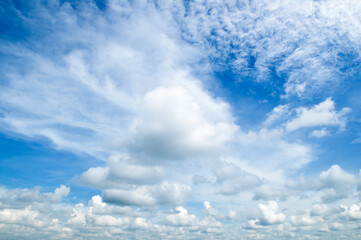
column 180, row 119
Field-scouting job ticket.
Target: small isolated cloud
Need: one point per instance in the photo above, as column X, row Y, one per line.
column 322, row 114
column 319, row 133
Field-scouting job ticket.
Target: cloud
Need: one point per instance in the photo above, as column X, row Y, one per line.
column 335, row 183
column 305, row 220
column 323, row 114
column 163, row 193
column 319, row 133
column 269, row 216
column 21, row 216
column 353, row 212
column 21, row 197
column 137, row 81
column 180, row 122
column 119, row 171
column 278, row 152
column 308, row 47
column 180, row 217
column 234, row 180
column 277, row 114
column 126, row 183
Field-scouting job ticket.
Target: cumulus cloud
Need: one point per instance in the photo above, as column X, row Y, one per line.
column 119, row 171
column 322, row 114
column 124, row 182
column 163, row 193
column 269, row 216
column 20, row 197
column 180, row 217
column 335, row 184
column 353, row 212
column 305, row 220
column 134, row 78
column 181, row 122
column 21, row 216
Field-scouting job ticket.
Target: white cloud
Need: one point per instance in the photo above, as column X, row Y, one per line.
column 353, row 212
column 211, row 211
column 124, row 182
column 78, row 217
column 20, row 197
column 234, row 180
column 335, row 184
column 278, row 113
column 323, row 114
column 295, row 45
column 25, row 216
column 181, row 121
column 270, row 215
column 163, row 193
column 337, row 178
column 129, row 79
column 319, row 133
column 181, row 217
column 277, row 152
column 120, row 171
column 305, row 220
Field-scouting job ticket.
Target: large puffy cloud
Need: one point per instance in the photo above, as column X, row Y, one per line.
column 181, row 121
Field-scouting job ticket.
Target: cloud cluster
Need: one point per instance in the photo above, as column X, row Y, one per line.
column 123, row 182
column 132, row 85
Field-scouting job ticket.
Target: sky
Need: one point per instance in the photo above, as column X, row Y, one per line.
column 194, row 119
